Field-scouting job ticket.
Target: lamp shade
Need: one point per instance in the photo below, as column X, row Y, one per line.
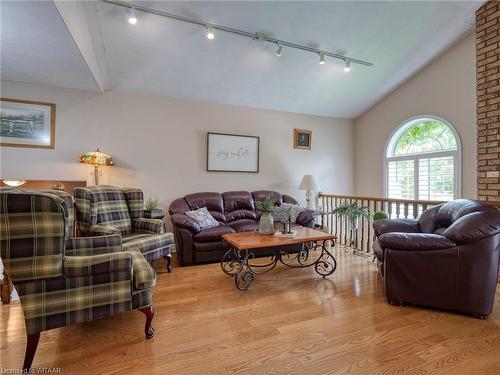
column 96, row 157
column 14, row 183
column 309, row 182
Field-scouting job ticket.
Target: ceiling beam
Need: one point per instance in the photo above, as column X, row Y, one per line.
column 73, row 15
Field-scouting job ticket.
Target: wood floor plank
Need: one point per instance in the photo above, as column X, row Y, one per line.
column 289, row 322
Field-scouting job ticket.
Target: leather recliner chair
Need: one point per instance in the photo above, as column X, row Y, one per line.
column 447, row 259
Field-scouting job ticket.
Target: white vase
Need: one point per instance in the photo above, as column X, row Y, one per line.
column 266, row 223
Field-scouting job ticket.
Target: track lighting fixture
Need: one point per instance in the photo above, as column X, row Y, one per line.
column 322, row 59
column 210, row 33
column 210, row 27
column 279, row 50
column 347, row 67
column 131, row 18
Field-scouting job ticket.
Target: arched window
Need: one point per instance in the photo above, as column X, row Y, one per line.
column 423, row 161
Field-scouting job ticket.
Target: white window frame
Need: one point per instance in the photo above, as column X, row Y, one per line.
column 391, row 144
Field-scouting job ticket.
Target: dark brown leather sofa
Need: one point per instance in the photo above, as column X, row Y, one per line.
column 234, row 210
column 447, row 259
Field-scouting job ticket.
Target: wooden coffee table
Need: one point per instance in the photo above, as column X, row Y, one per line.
column 245, row 246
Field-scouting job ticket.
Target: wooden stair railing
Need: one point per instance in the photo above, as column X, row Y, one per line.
column 362, row 238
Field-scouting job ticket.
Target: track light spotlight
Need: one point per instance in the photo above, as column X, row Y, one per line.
column 131, row 18
column 279, row 50
column 322, row 59
column 210, row 33
column 347, row 67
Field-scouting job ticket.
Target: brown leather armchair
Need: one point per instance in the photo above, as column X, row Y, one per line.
column 447, row 259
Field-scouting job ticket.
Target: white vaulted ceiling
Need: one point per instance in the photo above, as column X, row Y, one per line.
column 173, row 58
column 36, row 47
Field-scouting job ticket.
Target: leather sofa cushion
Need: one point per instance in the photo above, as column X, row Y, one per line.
column 454, row 210
column 211, row 247
column 213, row 234
column 395, row 225
column 261, row 195
column 212, row 201
column 474, row 227
column 240, row 215
column 178, row 206
column 414, row 241
column 289, row 199
column 238, row 200
column 378, row 251
column 427, row 220
column 244, row 226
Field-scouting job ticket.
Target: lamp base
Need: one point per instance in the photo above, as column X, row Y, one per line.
column 308, row 199
column 96, row 175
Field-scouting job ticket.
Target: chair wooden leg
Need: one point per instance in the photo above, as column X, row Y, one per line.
column 6, row 289
column 31, row 345
column 148, row 328
column 168, row 259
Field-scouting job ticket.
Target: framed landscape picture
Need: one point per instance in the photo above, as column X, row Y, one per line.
column 302, row 139
column 232, row 153
column 25, row 123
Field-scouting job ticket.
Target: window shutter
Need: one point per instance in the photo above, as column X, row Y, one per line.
column 436, row 178
column 401, row 179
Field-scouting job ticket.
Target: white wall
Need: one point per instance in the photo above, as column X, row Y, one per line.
column 446, row 88
column 160, row 144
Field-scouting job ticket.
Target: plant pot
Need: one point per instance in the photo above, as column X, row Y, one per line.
column 353, row 223
column 156, row 213
column 266, row 223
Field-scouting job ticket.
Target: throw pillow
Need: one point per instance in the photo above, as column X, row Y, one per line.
column 203, row 217
column 281, row 213
column 285, row 210
column 295, row 212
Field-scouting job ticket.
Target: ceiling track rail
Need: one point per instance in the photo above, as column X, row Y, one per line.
column 254, row 36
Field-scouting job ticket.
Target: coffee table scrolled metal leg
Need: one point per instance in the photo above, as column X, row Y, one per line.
column 243, row 278
column 326, row 263
column 231, row 262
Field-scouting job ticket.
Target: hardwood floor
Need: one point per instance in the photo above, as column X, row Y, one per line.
column 289, row 322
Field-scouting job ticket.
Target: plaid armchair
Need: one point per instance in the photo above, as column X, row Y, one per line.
column 63, row 280
column 106, row 210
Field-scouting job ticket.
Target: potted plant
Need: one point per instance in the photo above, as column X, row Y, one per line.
column 151, row 209
column 380, row 215
column 352, row 212
column 266, row 223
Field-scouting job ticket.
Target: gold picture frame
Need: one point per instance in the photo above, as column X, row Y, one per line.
column 27, row 123
column 302, row 139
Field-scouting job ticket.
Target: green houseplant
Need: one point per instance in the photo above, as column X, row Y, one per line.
column 352, row 212
column 266, row 223
column 379, row 215
column 151, row 203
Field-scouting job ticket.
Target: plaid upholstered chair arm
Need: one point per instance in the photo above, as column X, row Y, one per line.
column 83, row 246
column 143, row 225
column 103, row 230
column 114, row 263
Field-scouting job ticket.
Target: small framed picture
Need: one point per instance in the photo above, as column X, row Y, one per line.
column 25, row 123
column 302, row 139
